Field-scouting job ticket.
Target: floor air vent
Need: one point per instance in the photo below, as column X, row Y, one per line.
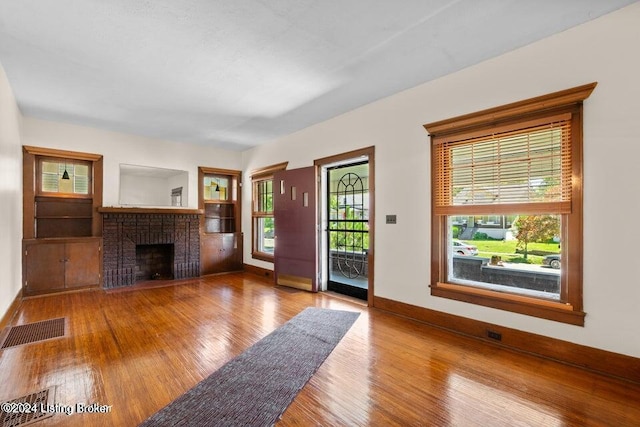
column 27, row 409
column 33, row 332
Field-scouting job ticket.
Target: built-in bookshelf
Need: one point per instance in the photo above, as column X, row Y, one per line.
column 62, row 229
column 219, row 199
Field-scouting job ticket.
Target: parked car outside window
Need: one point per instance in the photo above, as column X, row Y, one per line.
column 461, row 248
column 552, row 261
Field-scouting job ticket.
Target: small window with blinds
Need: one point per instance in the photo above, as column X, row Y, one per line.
column 507, row 207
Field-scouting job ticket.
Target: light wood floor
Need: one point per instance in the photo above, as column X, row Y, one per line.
column 137, row 350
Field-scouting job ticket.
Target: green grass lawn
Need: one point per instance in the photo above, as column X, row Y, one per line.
column 507, row 250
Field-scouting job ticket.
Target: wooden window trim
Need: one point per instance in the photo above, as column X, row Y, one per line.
column 570, row 310
column 494, row 116
column 53, row 153
column 255, row 193
column 262, row 256
column 268, row 171
column 261, row 174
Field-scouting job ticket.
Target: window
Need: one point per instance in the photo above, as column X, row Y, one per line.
column 67, row 177
column 507, row 202
column 263, row 241
column 215, row 187
column 263, row 213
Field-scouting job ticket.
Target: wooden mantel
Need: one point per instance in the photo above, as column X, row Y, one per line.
column 132, row 210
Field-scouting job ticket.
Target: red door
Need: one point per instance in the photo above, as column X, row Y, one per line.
column 296, row 236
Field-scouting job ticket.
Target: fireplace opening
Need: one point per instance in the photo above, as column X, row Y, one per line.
column 154, row 262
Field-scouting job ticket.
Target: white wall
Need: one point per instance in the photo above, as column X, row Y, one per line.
column 123, row 148
column 603, row 50
column 10, row 195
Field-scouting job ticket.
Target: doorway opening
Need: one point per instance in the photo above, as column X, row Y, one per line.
column 348, row 229
column 346, row 232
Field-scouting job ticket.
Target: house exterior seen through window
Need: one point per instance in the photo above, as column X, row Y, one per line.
column 263, row 229
column 263, row 212
column 507, row 207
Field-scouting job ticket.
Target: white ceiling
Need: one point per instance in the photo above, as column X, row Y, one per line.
column 238, row 73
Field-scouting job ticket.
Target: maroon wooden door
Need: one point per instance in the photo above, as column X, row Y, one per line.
column 296, row 236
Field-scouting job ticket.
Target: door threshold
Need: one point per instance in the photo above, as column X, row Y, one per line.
column 348, row 298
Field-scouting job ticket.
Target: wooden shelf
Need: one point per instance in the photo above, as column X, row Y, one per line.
column 64, row 217
column 173, row 211
column 219, row 218
column 221, row 239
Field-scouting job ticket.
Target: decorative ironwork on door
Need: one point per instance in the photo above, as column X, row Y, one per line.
column 348, row 226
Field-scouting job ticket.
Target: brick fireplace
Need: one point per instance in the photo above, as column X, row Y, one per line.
column 174, row 233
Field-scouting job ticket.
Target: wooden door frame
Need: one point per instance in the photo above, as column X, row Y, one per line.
column 368, row 152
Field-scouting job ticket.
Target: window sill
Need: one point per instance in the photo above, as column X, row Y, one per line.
column 545, row 309
column 262, row 256
column 53, row 195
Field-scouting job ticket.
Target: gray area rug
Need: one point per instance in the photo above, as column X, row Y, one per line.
column 256, row 387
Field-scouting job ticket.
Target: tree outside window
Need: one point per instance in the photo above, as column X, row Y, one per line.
column 519, row 165
column 263, row 228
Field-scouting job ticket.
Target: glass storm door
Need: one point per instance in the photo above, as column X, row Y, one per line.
column 348, row 229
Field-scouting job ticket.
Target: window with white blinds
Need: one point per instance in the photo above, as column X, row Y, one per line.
column 512, row 172
column 508, row 171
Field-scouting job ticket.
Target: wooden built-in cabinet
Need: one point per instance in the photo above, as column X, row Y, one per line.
column 62, row 229
column 221, row 235
column 220, row 252
column 61, row 264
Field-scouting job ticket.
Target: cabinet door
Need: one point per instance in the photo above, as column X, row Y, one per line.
column 238, row 258
column 210, row 253
column 83, row 264
column 220, row 252
column 228, row 252
column 45, row 266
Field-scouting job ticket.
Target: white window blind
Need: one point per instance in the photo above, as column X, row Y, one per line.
column 514, row 170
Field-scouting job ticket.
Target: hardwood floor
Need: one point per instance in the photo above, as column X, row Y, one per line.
column 137, row 350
